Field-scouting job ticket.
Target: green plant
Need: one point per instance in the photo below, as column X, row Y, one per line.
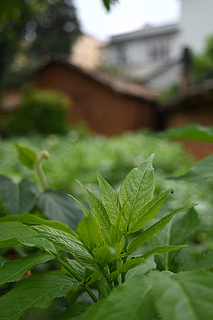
column 107, row 253
column 26, row 196
column 40, row 111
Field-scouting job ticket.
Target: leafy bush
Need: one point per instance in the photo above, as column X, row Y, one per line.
column 40, row 111
column 120, row 254
column 74, row 157
column 108, row 253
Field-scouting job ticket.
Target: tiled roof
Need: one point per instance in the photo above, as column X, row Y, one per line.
column 145, row 33
column 193, row 95
column 115, row 83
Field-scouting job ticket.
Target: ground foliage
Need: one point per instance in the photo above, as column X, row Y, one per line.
column 112, row 249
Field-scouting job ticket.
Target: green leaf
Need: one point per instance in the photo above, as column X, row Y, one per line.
column 134, row 262
column 149, row 211
column 201, row 172
column 85, row 211
column 103, row 289
column 57, row 205
column 70, row 243
column 100, row 214
column 132, row 300
column 14, row 270
column 109, row 198
column 108, row 3
column 88, row 232
column 185, row 295
column 27, row 156
column 190, row 132
column 18, row 197
column 176, row 233
column 203, row 262
column 137, row 190
column 163, row 249
column 153, row 230
column 37, row 291
column 74, row 311
column 29, row 218
column 128, row 265
column 107, row 253
column 143, row 268
column 14, row 231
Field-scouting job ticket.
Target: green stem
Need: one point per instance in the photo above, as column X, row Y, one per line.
column 78, row 278
column 167, row 243
column 106, row 277
column 112, row 268
column 44, row 155
column 123, row 275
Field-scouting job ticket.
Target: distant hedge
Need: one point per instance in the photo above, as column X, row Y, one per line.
column 40, row 111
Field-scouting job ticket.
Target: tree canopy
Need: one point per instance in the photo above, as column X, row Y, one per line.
column 39, row 28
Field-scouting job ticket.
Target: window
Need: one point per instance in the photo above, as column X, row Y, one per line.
column 158, row 50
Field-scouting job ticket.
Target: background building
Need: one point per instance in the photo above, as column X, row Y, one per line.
column 153, row 54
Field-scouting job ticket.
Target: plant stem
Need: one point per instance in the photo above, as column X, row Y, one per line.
column 44, row 155
column 112, row 267
column 123, row 275
column 78, row 278
column 106, row 277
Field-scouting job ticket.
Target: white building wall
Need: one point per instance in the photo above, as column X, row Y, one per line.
column 196, row 24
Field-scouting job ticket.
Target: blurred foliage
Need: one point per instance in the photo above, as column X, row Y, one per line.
column 189, row 132
column 109, row 3
column 77, row 156
column 33, row 30
column 40, row 111
column 169, row 93
column 54, row 32
column 203, row 64
column 201, row 70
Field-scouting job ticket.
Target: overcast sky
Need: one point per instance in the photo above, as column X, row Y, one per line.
column 126, row 16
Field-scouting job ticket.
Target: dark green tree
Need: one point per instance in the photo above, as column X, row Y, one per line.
column 202, row 68
column 53, row 33
column 48, row 28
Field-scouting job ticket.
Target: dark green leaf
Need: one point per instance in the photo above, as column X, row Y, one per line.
column 74, row 312
column 59, row 206
column 27, row 156
column 202, row 171
column 29, row 218
column 14, row 270
column 14, row 233
column 37, row 291
column 133, row 300
column 103, row 289
column 88, row 232
column 153, row 230
column 203, row 262
column 190, row 132
column 185, row 295
column 176, row 233
column 18, row 197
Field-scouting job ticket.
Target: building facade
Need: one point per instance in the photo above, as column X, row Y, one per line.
column 153, row 54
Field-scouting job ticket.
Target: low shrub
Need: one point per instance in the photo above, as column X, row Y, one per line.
column 40, row 111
